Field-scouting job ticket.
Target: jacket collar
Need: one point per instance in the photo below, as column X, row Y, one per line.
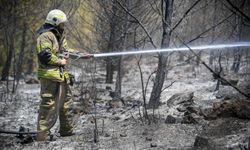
column 48, row 27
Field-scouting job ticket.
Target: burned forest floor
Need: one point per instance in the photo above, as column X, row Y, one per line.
column 191, row 115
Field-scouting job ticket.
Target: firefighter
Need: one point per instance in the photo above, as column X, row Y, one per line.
column 54, row 78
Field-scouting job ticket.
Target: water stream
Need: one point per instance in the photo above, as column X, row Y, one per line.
column 202, row 47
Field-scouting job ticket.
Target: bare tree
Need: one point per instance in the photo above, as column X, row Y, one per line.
column 9, row 33
column 118, row 84
column 21, row 54
column 237, row 52
column 211, row 57
column 167, row 11
column 111, row 42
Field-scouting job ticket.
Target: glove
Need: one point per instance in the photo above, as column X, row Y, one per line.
column 63, row 62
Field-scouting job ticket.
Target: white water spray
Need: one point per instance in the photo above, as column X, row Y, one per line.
column 203, row 47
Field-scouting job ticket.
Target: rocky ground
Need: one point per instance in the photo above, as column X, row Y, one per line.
column 191, row 116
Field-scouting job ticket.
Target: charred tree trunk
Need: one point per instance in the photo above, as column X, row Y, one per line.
column 9, row 41
column 21, row 54
column 118, row 85
column 109, row 70
column 167, row 9
column 109, row 61
column 31, row 62
column 9, row 46
column 236, row 63
column 212, row 55
column 219, row 71
column 237, row 53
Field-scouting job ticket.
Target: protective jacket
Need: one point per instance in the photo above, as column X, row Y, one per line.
column 50, row 43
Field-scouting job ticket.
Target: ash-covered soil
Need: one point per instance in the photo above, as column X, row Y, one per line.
column 120, row 124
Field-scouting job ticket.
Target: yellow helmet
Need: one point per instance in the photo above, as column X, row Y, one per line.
column 55, row 17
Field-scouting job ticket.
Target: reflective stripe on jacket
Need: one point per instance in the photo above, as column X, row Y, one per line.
column 48, row 41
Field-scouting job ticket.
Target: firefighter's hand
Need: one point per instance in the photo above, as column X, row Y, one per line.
column 63, row 62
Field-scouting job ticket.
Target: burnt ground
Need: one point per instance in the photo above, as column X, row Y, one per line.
column 121, row 124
